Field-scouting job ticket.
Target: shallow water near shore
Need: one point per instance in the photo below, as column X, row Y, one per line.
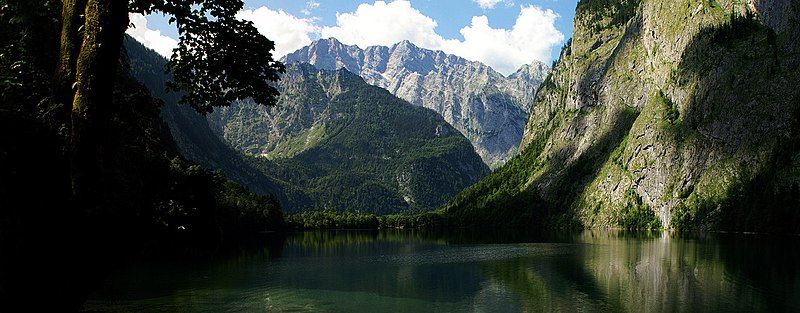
column 410, row 271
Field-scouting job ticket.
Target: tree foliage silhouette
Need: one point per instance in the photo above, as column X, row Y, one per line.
column 219, row 59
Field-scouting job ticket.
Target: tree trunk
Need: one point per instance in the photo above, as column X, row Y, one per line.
column 71, row 21
column 95, row 73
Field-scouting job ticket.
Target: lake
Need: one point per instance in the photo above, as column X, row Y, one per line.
column 412, row 271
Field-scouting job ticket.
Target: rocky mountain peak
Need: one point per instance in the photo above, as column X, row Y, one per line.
column 535, row 70
column 484, row 105
column 405, row 44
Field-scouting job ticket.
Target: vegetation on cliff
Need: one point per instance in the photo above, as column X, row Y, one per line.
column 677, row 114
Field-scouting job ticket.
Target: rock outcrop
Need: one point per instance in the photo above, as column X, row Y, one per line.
column 673, row 114
column 487, row 107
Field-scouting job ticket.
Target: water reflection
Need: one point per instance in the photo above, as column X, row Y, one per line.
column 409, row 271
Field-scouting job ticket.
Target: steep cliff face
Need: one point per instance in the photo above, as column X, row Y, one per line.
column 350, row 146
column 676, row 114
column 487, row 107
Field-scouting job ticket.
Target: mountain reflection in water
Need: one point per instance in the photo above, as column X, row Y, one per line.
column 376, row 271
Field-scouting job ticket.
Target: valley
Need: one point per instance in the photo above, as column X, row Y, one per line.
column 403, row 155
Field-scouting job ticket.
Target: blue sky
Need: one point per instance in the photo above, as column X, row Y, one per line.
column 504, row 34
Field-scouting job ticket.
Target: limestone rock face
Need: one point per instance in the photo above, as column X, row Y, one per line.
column 485, row 106
column 674, row 114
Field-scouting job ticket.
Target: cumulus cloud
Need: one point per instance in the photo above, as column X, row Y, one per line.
column 150, row 38
column 287, row 31
column 384, row 24
column 532, row 37
column 487, row 4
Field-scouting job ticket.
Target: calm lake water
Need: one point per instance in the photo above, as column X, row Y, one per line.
column 406, row 271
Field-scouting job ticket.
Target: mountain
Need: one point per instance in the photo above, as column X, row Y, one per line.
column 673, row 114
column 487, row 107
column 193, row 137
column 333, row 141
column 351, row 146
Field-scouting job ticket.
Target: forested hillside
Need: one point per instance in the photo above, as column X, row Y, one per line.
column 331, row 143
column 141, row 192
column 351, row 146
column 194, row 138
column 487, row 107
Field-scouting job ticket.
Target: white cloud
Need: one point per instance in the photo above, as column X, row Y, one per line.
column 385, row 24
column 150, row 38
column 287, row 31
column 487, row 4
column 532, row 37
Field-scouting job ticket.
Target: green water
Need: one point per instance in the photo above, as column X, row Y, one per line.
column 404, row 271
